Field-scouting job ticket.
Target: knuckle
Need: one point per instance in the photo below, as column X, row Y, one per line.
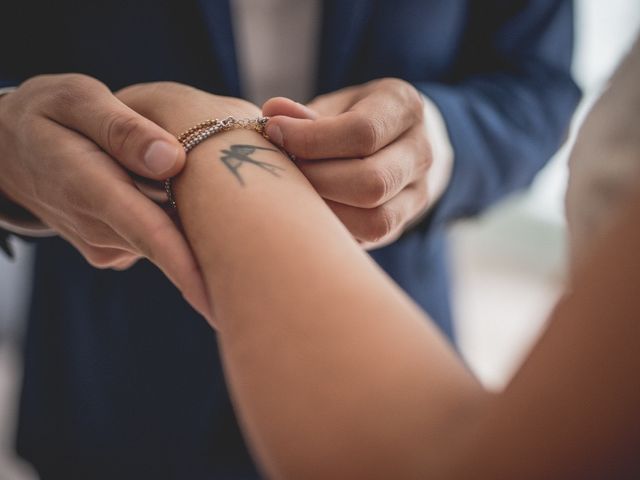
column 34, row 86
column 392, row 83
column 71, row 90
column 406, row 94
column 396, row 86
column 118, row 131
column 64, row 97
column 366, row 134
column 377, row 185
column 411, row 97
column 424, row 152
column 416, row 104
column 382, row 222
column 77, row 81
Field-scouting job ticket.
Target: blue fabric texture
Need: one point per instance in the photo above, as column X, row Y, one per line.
column 122, row 379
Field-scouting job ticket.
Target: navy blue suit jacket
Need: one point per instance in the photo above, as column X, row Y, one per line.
column 122, row 378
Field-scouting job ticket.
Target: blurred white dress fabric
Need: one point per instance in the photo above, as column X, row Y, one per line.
column 605, row 163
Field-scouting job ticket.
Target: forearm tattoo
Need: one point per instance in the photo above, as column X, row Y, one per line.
column 237, row 155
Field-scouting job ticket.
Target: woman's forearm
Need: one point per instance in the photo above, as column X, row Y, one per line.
column 336, row 374
column 330, row 365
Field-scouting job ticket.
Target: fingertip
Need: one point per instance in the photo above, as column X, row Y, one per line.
column 274, row 106
column 282, row 106
column 293, row 134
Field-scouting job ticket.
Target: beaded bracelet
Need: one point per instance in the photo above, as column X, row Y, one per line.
column 197, row 134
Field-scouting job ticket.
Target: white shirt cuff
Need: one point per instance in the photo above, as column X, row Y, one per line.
column 441, row 150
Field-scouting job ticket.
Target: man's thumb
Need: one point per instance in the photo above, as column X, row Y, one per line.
column 288, row 108
column 136, row 142
column 139, row 144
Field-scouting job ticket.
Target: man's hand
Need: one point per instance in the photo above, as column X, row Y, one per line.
column 365, row 149
column 66, row 143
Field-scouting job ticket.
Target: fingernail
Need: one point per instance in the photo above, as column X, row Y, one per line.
column 275, row 134
column 161, row 156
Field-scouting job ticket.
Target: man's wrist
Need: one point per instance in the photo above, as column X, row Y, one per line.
column 14, row 218
column 442, row 153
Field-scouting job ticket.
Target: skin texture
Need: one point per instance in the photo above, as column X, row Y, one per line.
column 335, row 373
column 365, row 149
column 68, row 147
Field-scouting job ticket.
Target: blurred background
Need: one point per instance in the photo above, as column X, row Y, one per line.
column 509, row 264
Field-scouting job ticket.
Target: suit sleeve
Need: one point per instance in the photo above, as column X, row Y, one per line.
column 5, row 246
column 509, row 104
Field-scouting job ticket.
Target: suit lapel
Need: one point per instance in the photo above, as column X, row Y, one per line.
column 342, row 25
column 217, row 19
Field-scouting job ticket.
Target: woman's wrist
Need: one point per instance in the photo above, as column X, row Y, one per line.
column 239, row 197
column 238, row 164
column 177, row 107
